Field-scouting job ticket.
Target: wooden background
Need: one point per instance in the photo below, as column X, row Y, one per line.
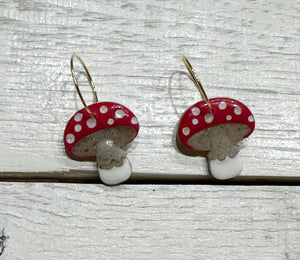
column 72, row 221
column 247, row 50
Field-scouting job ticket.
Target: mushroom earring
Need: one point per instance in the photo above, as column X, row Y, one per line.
column 101, row 132
column 215, row 126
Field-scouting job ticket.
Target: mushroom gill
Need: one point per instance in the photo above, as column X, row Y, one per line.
column 120, row 135
column 220, row 140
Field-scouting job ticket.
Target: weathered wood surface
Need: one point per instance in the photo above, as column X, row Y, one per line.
column 65, row 221
column 247, row 50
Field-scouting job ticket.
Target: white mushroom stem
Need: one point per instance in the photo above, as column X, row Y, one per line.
column 227, row 168
column 223, row 158
column 116, row 175
column 113, row 167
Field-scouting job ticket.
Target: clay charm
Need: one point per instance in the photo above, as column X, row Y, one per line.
column 216, row 126
column 101, row 132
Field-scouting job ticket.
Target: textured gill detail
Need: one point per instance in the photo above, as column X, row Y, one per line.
column 120, row 136
column 201, row 141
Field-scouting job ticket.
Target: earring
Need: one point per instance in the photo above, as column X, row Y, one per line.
column 215, row 126
column 101, row 132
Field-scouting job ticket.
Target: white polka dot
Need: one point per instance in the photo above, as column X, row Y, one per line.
column 91, row 123
column 70, row 138
column 228, row 117
column 195, row 111
column 237, row 110
column 119, row 113
column 250, row 119
column 195, row 121
column 103, row 109
column 134, row 120
column 78, row 117
column 208, row 118
column 77, row 128
column 222, row 105
column 110, row 121
column 185, row 131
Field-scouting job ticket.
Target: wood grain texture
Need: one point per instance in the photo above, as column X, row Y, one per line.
column 247, row 50
column 60, row 221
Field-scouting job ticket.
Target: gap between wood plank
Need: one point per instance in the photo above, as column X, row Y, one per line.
column 144, row 179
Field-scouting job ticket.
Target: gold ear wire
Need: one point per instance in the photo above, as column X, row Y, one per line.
column 196, row 81
column 76, row 83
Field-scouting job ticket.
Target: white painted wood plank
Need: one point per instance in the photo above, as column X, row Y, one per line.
column 246, row 50
column 63, row 221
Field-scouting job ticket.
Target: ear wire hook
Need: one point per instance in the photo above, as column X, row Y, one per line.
column 76, row 83
column 196, row 81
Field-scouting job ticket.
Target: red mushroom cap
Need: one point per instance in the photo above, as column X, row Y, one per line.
column 107, row 115
column 225, row 110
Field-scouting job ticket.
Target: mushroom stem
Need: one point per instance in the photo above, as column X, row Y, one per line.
column 226, row 169
column 109, row 155
column 223, row 158
column 116, row 175
column 221, row 146
column 113, row 166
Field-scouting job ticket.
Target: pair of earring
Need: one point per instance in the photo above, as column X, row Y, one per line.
column 102, row 131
